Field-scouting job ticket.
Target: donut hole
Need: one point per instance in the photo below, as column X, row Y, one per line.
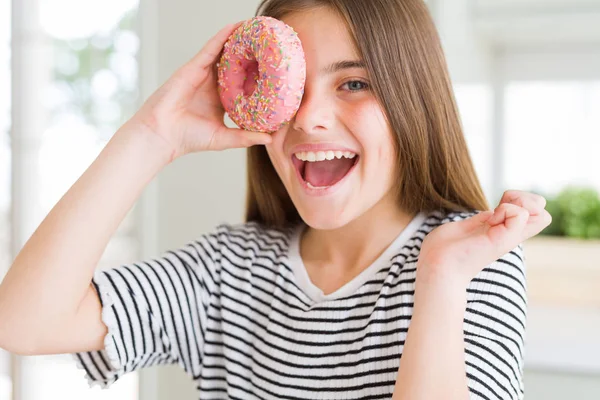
column 250, row 78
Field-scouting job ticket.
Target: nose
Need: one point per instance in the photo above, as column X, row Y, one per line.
column 315, row 114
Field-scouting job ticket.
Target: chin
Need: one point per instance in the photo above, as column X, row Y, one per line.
column 324, row 218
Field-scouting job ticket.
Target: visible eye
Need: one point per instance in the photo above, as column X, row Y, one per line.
column 355, row 86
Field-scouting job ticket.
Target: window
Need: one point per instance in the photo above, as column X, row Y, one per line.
column 475, row 106
column 86, row 86
column 547, row 123
column 552, row 134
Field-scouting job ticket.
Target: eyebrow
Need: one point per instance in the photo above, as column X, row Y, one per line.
column 341, row 65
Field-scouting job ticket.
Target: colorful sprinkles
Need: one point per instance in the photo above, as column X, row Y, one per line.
column 278, row 85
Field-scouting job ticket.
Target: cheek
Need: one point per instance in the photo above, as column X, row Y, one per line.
column 275, row 149
column 275, row 157
column 376, row 136
column 387, row 159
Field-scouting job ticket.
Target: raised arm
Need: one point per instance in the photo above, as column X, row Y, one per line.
column 47, row 302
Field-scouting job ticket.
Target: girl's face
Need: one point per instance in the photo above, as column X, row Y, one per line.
column 339, row 123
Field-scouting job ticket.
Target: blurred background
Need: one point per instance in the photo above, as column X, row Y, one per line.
column 527, row 80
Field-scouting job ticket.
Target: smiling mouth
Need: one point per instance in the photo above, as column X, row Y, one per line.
column 324, row 173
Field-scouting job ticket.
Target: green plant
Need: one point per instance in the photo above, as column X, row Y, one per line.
column 556, row 227
column 575, row 213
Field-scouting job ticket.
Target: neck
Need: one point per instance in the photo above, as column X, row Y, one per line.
column 356, row 245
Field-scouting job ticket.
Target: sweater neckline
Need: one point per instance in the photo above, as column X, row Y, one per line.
column 315, row 293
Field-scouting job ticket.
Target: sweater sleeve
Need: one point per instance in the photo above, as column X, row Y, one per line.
column 494, row 329
column 155, row 311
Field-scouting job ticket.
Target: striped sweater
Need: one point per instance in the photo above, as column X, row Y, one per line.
column 235, row 309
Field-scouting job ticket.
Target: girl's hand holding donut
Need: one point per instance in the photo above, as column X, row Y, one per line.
column 457, row 251
column 186, row 112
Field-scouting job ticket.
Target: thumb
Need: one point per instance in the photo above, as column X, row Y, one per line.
column 480, row 218
column 230, row 138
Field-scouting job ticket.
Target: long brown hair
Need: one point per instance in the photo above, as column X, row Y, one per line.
column 400, row 46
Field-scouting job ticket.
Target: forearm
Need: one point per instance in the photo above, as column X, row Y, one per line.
column 432, row 366
column 51, row 274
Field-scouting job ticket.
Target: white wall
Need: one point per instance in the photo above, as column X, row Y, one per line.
column 468, row 57
column 198, row 191
column 201, row 190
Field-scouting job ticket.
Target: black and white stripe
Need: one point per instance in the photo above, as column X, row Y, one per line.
column 228, row 309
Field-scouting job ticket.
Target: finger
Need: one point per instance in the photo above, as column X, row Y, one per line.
column 212, row 49
column 535, row 204
column 515, row 217
column 532, row 202
column 195, row 71
column 507, row 227
column 480, row 218
column 510, row 215
column 228, row 138
column 537, row 223
column 188, row 78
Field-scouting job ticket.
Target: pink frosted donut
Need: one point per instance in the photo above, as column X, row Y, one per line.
column 261, row 75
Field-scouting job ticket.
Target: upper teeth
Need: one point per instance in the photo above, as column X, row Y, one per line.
column 312, row 156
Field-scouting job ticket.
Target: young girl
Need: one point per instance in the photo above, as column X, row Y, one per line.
column 375, row 275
